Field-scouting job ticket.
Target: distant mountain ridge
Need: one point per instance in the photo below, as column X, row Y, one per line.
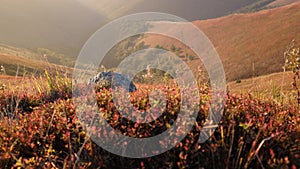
column 263, row 4
column 61, row 26
column 64, row 26
column 277, row 3
column 248, row 44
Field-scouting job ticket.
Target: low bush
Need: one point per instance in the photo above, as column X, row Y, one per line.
column 251, row 134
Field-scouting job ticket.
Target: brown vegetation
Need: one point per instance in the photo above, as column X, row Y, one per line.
column 248, row 43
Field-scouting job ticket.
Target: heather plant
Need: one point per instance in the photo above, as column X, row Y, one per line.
column 253, row 133
column 13, row 99
column 49, row 133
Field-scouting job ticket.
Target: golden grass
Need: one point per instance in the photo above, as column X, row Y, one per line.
column 276, row 86
column 244, row 40
column 22, row 66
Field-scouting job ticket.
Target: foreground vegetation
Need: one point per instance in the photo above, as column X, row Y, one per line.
column 39, row 129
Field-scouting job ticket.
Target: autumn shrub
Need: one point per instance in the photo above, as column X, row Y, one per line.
column 252, row 133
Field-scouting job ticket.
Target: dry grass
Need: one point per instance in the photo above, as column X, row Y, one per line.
column 244, row 40
column 17, row 65
column 263, row 83
column 14, row 51
column 275, row 86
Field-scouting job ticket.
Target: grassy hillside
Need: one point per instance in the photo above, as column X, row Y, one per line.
column 38, row 54
column 248, row 44
column 14, row 51
column 16, row 65
column 275, row 86
column 281, row 81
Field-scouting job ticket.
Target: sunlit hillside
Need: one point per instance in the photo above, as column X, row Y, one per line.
column 248, row 44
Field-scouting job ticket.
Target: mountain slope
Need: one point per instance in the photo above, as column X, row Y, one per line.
column 192, row 9
column 276, row 86
column 38, row 54
column 281, row 81
column 64, row 26
column 254, row 7
column 15, row 65
column 281, row 2
column 248, row 44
